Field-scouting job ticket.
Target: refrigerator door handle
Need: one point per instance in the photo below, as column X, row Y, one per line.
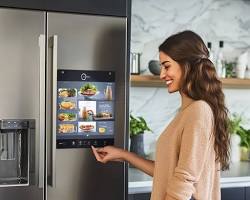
column 54, row 107
column 41, row 110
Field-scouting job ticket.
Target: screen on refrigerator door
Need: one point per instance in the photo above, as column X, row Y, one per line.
column 85, row 108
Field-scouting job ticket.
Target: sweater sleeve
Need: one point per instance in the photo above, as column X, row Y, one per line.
column 195, row 141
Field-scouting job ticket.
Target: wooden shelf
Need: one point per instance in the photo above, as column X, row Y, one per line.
column 154, row 81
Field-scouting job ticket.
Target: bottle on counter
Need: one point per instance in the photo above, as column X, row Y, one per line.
column 211, row 52
column 220, row 61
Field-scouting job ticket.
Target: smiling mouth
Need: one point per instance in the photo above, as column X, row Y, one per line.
column 169, row 82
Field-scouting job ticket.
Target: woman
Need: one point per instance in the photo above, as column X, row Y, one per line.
column 195, row 145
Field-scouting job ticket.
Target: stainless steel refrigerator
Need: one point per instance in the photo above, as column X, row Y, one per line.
column 64, row 85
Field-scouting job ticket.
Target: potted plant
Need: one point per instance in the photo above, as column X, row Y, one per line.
column 137, row 126
column 234, row 125
column 245, row 143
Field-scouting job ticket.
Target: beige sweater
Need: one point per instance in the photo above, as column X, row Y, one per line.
column 185, row 163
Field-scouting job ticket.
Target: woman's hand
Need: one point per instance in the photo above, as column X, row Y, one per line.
column 108, row 153
column 111, row 153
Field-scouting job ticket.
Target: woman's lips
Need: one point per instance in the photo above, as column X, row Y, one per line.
column 168, row 82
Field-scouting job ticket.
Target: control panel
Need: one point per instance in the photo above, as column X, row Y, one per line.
column 14, row 124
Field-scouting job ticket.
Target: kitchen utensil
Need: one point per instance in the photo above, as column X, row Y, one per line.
column 154, row 67
column 135, row 63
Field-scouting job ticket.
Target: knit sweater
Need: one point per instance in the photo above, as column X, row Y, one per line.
column 185, row 163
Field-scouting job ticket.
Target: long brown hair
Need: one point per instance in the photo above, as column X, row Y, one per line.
column 200, row 82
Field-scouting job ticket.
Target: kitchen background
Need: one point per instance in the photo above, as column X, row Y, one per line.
column 214, row 20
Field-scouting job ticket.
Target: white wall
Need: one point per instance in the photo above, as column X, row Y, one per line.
column 154, row 20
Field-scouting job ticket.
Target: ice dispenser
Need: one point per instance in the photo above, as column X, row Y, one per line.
column 15, row 152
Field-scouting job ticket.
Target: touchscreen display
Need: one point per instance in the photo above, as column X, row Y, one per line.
column 85, row 108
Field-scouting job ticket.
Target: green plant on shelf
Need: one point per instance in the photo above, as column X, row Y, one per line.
column 245, row 143
column 235, row 125
column 137, row 125
column 230, row 66
column 245, row 137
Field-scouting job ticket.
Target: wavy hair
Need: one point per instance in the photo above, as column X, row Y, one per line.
column 200, row 82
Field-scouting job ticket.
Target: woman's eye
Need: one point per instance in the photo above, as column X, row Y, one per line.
column 166, row 66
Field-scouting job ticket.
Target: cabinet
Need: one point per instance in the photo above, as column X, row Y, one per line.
column 247, row 193
column 107, row 7
column 29, row 4
column 233, row 194
column 155, row 81
column 100, row 7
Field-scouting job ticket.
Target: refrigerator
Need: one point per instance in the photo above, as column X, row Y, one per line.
column 64, row 87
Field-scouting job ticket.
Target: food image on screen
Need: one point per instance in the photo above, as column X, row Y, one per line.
column 103, row 115
column 88, row 90
column 67, row 105
column 86, row 128
column 67, row 117
column 102, row 130
column 66, row 128
column 67, row 92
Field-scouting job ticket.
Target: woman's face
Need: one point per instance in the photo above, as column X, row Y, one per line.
column 170, row 72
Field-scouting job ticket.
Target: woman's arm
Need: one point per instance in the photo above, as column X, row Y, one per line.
column 142, row 164
column 111, row 153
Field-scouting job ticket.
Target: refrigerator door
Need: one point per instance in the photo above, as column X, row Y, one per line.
column 22, row 65
column 85, row 42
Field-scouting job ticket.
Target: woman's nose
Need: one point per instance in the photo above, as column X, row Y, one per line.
column 162, row 74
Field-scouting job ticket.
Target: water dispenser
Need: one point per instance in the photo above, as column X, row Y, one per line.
column 15, row 152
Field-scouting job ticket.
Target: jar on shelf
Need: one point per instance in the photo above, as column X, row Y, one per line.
column 247, row 72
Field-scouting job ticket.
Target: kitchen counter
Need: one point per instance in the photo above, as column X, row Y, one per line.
column 237, row 176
